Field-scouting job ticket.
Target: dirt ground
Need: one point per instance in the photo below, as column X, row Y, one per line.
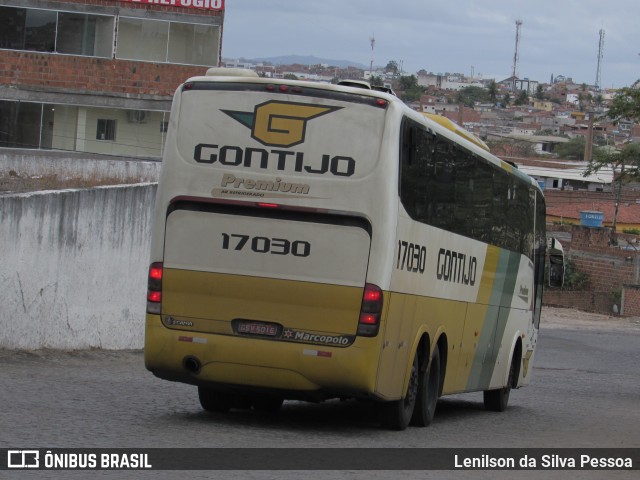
column 553, row 317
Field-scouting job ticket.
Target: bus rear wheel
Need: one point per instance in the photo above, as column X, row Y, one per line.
column 396, row 415
column 221, row 402
column 267, row 404
column 497, row 400
column 428, row 390
column 214, row 401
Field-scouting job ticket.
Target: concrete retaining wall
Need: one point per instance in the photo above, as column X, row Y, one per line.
column 78, row 165
column 73, row 267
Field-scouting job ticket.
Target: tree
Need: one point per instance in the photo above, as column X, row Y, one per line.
column 539, row 92
column 290, row 76
column 470, row 95
column 626, row 104
column 376, row 81
column 625, row 165
column 492, row 90
column 392, row 67
column 523, row 98
column 571, row 150
column 626, row 162
column 409, row 87
column 506, row 100
column 598, row 99
column 408, row 81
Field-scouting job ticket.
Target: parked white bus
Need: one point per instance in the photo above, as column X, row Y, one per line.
column 317, row 241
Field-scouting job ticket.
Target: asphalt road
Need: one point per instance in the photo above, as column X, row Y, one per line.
column 585, row 393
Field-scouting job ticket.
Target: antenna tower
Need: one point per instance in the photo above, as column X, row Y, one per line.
column 600, row 52
column 373, row 44
column 516, row 55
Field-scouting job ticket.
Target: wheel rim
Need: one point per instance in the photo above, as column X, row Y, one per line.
column 412, row 390
column 433, row 385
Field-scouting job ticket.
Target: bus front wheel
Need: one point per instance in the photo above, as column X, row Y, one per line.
column 497, row 400
column 396, row 415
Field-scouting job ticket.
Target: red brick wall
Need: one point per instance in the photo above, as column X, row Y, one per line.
column 631, row 301
column 71, row 73
column 599, row 302
column 608, row 268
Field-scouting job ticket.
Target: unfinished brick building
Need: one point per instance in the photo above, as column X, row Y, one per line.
column 97, row 76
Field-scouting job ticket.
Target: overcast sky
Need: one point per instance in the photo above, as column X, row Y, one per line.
column 558, row 37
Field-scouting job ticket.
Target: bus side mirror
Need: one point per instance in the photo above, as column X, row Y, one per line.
column 556, row 262
column 556, row 271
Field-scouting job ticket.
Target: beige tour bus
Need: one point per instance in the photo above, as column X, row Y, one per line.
column 317, row 241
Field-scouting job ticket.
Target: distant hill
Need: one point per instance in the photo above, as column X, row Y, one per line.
column 308, row 60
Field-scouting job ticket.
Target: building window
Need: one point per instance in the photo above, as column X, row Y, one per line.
column 142, row 39
column 92, row 35
column 193, row 44
column 52, row 31
column 27, row 29
column 106, row 130
column 89, row 35
column 172, row 42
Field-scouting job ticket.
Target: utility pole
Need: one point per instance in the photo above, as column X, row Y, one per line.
column 588, row 145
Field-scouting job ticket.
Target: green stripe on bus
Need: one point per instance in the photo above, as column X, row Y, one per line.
column 495, row 320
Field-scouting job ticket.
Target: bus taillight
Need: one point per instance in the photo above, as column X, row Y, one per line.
column 370, row 311
column 154, row 289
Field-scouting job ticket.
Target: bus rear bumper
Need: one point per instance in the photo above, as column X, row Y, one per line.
column 229, row 362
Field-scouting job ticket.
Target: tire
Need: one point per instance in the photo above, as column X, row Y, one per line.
column 428, row 392
column 267, row 404
column 397, row 414
column 213, row 401
column 497, row 400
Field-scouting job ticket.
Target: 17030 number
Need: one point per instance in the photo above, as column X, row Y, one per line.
column 411, row 257
column 274, row 246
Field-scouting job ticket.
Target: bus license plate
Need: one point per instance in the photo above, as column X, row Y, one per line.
column 248, row 327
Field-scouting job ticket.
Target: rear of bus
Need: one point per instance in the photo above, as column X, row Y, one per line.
column 263, row 277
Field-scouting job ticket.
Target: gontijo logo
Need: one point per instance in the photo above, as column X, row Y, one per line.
column 280, row 124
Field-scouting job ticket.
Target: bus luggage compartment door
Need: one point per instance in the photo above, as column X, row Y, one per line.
column 291, row 270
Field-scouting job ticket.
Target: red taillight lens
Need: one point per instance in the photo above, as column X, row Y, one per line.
column 154, row 296
column 370, row 311
column 154, row 288
column 155, row 272
column 369, row 318
column 372, row 294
